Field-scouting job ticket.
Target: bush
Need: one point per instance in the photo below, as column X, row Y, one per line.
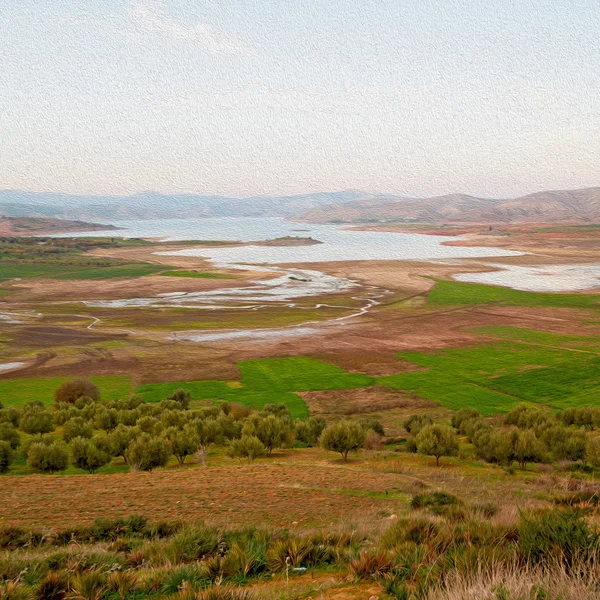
column 309, row 431
column 184, row 442
column 248, row 446
column 9, row 434
column 47, row 458
column 343, row 437
column 77, row 427
column 182, row 398
column 37, row 420
column 415, row 423
column 10, row 415
column 147, row 453
column 437, row 441
column 70, row 391
column 86, row 455
column 6, row 456
column 373, row 425
column 556, row 535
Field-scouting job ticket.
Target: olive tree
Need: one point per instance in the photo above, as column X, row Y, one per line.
column 147, row 453
column 6, row 456
column 208, row 432
column 184, row 442
column 47, row 458
column 437, row 440
column 248, row 446
column 86, row 454
column 8, row 433
column 77, row 427
column 343, row 437
column 36, row 419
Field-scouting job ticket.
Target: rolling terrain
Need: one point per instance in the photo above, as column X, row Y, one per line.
column 576, row 206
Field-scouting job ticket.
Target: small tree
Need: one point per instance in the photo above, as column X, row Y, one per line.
column 415, row 423
column 248, row 446
column 343, row 437
column 9, row 434
column 208, row 432
column 270, row 430
column 309, row 431
column 120, row 440
column 37, row 420
column 147, row 453
column 47, row 458
column 10, row 415
column 77, row 427
column 6, row 456
column 71, row 391
column 182, row 398
column 528, row 449
column 593, row 451
column 86, row 455
column 107, row 419
column 184, row 442
column 437, row 441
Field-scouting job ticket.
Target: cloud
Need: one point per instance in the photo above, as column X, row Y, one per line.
column 150, row 15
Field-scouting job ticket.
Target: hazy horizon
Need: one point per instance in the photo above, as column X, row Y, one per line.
column 492, row 99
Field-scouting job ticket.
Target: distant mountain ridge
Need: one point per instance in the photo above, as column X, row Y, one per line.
column 153, row 205
column 560, row 206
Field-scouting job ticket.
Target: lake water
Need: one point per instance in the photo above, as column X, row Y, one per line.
column 338, row 243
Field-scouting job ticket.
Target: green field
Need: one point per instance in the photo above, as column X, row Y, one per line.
column 494, row 377
column 266, row 381
column 457, row 293
column 17, row 392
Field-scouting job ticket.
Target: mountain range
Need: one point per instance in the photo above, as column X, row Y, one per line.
column 153, row 205
column 564, row 206
column 350, row 206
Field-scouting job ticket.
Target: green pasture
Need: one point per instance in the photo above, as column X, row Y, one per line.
column 266, row 381
column 17, row 392
column 457, row 293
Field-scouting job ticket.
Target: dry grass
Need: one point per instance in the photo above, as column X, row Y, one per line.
column 515, row 582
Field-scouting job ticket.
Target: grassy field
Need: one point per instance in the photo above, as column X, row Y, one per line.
column 494, row 377
column 268, row 381
column 17, row 392
column 456, row 293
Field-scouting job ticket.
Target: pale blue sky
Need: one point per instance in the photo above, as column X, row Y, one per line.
column 421, row 97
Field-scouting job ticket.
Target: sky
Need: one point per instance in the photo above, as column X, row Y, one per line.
column 422, row 97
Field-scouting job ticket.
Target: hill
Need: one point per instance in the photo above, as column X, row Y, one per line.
column 564, row 206
column 17, row 226
column 152, row 205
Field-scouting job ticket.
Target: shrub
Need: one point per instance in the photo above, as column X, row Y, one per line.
column 415, row 423
column 70, row 391
column 437, row 441
column 557, row 535
column 47, row 458
column 182, row 398
column 184, row 442
column 53, row 586
column 86, row 455
column 373, row 441
column 373, row 425
column 147, row 453
column 37, row 420
column 309, row 431
column 593, row 451
column 9, row 434
column 460, row 418
column 193, row 542
column 10, row 415
column 248, row 446
column 270, row 430
column 343, row 437
column 6, row 456
column 371, row 564
column 77, row 427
